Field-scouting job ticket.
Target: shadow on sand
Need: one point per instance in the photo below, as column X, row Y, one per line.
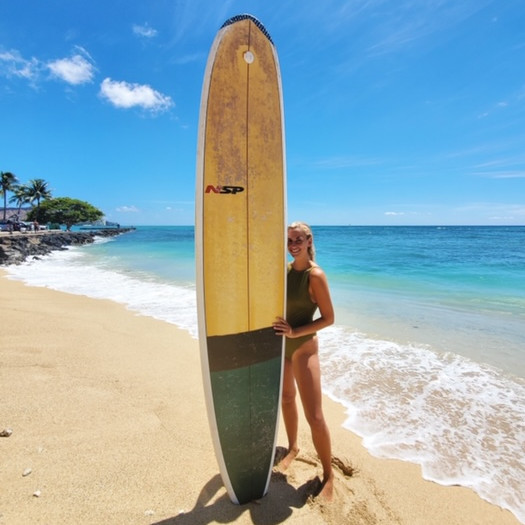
column 274, row 508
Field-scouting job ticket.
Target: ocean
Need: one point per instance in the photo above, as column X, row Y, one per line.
column 427, row 354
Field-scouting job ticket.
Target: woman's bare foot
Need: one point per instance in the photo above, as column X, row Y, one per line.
column 287, row 460
column 327, row 489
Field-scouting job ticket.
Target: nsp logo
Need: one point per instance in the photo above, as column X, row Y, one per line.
column 223, row 189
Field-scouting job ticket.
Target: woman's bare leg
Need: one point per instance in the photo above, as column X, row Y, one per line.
column 307, row 373
column 290, row 415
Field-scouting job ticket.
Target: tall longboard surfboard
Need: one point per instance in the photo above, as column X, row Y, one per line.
column 241, row 252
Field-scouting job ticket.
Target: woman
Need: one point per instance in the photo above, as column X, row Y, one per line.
column 307, row 291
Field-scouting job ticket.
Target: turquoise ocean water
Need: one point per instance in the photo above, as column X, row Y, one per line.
column 428, row 351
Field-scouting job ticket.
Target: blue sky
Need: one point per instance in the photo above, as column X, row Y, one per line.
column 397, row 111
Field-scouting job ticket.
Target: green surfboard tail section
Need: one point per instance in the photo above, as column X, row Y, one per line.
column 246, row 400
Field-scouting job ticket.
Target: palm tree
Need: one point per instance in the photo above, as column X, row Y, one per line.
column 37, row 189
column 7, row 182
column 20, row 196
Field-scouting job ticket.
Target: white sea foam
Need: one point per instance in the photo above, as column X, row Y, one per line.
column 67, row 271
column 461, row 421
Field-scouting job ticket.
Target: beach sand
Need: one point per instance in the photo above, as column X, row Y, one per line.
column 107, row 411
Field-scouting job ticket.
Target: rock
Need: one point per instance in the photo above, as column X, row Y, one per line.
column 6, row 433
column 16, row 248
column 26, row 472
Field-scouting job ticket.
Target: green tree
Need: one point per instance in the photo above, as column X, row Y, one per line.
column 20, row 196
column 37, row 189
column 7, row 182
column 63, row 210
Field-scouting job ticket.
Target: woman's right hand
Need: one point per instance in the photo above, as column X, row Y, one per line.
column 282, row 327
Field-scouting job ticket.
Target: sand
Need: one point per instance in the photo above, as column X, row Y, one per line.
column 109, row 426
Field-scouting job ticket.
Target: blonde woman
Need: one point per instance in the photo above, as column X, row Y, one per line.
column 307, row 291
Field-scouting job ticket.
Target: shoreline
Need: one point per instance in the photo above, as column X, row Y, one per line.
column 107, row 410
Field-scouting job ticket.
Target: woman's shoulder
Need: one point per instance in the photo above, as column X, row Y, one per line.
column 315, row 270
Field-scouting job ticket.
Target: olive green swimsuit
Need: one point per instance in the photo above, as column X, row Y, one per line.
column 300, row 308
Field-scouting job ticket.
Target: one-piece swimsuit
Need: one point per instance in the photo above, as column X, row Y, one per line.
column 300, row 308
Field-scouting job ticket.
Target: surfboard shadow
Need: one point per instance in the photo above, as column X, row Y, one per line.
column 274, row 508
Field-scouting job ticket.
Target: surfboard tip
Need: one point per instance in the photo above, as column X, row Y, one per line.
column 258, row 23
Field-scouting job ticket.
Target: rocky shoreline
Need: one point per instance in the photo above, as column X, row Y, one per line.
column 15, row 248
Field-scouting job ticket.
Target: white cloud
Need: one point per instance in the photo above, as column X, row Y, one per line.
column 128, row 209
column 17, row 66
column 502, row 174
column 338, row 162
column 78, row 69
column 407, row 23
column 127, row 95
column 395, row 213
column 189, row 58
column 498, row 212
column 145, row 31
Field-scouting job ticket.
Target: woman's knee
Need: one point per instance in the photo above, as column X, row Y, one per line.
column 315, row 419
column 288, row 396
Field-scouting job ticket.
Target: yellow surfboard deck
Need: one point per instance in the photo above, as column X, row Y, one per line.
column 241, row 251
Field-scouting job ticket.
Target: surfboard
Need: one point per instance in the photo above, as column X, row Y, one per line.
column 241, row 252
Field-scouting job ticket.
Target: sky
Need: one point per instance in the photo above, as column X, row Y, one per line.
column 397, row 112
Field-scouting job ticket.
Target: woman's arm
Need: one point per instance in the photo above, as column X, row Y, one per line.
column 320, row 294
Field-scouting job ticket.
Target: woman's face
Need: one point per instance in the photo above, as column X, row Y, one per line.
column 298, row 242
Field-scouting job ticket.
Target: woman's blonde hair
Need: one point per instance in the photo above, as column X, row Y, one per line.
column 298, row 225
